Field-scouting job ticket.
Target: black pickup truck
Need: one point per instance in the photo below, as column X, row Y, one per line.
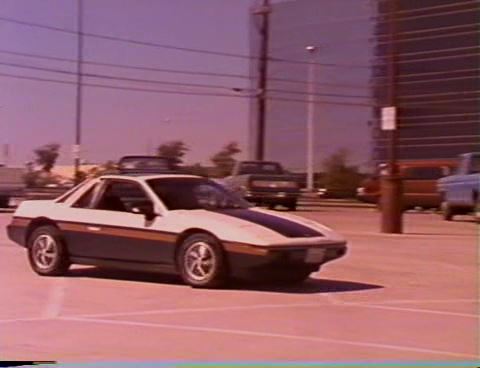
column 264, row 183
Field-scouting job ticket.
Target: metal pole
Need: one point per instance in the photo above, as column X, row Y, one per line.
column 310, row 117
column 391, row 183
column 262, row 81
column 78, row 108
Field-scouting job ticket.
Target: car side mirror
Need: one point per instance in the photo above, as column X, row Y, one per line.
column 145, row 209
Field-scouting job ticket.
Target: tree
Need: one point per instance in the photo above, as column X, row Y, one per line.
column 174, row 150
column 47, row 156
column 224, row 159
column 109, row 167
column 340, row 178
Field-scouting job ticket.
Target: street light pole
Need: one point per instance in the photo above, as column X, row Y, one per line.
column 78, row 107
column 310, row 117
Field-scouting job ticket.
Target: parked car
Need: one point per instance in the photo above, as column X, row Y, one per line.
column 419, row 183
column 12, row 185
column 460, row 192
column 177, row 224
column 264, row 183
column 145, row 164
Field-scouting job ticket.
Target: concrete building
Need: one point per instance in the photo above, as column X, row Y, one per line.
column 438, row 80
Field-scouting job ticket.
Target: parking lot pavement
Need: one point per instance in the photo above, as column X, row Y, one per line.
column 401, row 297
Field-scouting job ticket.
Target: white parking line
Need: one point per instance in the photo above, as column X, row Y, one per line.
column 422, row 301
column 414, row 310
column 270, row 335
column 55, row 299
column 196, row 310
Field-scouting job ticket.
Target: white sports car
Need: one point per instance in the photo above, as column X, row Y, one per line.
column 179, row 224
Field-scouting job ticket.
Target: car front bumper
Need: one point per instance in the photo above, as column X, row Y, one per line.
column 284, row 258
column 259, row 196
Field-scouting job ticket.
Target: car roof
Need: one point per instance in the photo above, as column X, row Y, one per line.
column 148, row 176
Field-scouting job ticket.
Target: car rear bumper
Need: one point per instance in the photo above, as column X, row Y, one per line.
column 17, row 234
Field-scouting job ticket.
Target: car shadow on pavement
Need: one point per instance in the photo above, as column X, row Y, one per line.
column 310, row 286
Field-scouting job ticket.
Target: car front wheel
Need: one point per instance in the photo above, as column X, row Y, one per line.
column 447, row 211
column 201, row 262
column 47, row 253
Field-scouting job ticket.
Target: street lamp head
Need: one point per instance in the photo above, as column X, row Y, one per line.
column 311, row 49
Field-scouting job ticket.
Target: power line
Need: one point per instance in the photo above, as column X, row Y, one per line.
column 40, row 79
column 110, row 77
column 150, row 81
column 170, row 47
column 316, row 94
column 175, row 71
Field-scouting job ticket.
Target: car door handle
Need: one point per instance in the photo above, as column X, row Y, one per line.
column 94, row 228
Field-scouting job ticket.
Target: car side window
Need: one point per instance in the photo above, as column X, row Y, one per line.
column 86, row 199
column 122, row 196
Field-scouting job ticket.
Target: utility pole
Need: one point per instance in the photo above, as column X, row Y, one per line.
column 78, row 108
column 310, row 117
column 264, row 12
column 391, row 183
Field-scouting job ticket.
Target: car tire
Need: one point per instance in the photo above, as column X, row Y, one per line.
column 447, row 211
column 201, row 262
column 47, row 252
column 292, row 205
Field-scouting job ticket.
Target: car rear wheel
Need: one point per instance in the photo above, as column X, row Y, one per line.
column 201, row 262
column 47, row 253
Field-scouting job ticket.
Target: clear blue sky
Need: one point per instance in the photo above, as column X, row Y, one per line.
column 124, row 122
column 119, row 122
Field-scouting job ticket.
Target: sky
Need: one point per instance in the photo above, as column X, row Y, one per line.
column 118, row 122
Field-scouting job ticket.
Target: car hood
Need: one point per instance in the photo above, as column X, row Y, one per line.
column 255, row 226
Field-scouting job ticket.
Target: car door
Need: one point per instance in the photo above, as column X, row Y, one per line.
column 109, row 229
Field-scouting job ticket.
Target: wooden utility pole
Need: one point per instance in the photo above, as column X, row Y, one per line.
column 264, row 12
column 391, row 182
column 78, row 106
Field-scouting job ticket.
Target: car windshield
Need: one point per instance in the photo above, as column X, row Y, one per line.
column 144, row 163
column 260, row 168
column 195, row 193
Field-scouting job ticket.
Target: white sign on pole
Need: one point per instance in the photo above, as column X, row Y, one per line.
column 389, row 118
column 76, row 151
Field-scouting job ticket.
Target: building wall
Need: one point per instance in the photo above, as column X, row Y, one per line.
column 438, row 80
column 325, row 24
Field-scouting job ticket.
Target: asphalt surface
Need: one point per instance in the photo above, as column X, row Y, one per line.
column 393, row 297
